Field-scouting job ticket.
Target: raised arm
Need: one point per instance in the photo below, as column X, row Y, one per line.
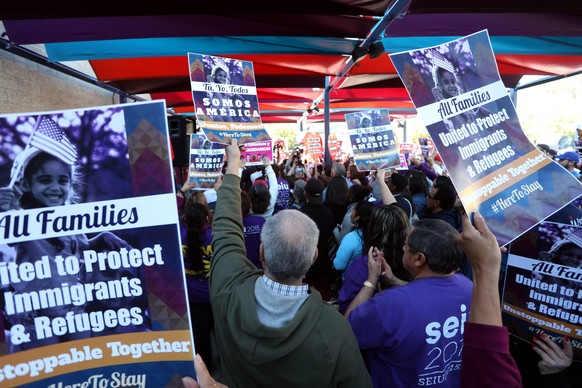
column 387, row 196
column 486, row 361
column 273, row 185
column 484, row 254
column 229, row 260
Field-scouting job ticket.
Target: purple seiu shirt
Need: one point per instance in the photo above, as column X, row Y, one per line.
column 253, row 225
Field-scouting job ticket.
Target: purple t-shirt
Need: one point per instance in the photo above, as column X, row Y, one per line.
column 413, row 334
column 252, row 229
column 283, row 195
column 354, row 277
column 197, row 281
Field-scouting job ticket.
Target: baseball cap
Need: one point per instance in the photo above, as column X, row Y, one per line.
column 261, row 182
column 256, row 175
column 570, row 155
column 314, row 191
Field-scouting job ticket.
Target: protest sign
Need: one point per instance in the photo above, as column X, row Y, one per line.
column 279, row 149
column 313, row 146
column 469, row 115
column 206, row 161
column 543, row 284
column 91, row 271
column 225, row 99
column 406, row 150
column 254, row 153
column 372, row 140
column 424, row 149
column 334, row 146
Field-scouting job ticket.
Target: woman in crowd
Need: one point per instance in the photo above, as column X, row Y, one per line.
column 387, row 230
column 253, row 224
column 418, row 186
column 263, row 194
column 356, row 193
column 355, row 176
column 352, row 244
column 336, row 198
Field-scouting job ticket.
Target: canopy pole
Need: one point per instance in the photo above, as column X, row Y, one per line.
column 327, row 119
column 375, row 33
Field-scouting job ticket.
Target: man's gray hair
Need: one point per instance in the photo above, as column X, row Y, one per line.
column 289, row 239
column 299, row 189
column 339, row 169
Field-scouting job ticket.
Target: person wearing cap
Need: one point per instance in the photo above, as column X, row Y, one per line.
column 320, row 275
column 569, row 160
column 271, row 329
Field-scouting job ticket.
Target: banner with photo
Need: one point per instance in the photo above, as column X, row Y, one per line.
column 225, row 99
column 254, row 153
column 372, row 140
column 206, row 161
column 543, row 284
column 426, row 146
column 469, row 115
column 91, row 277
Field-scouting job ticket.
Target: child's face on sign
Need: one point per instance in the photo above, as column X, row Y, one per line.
column 51, row 183
column 571, row 256
column 221, row 77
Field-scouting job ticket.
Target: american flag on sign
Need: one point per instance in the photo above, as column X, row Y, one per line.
column 439, row 60
column 49, row 137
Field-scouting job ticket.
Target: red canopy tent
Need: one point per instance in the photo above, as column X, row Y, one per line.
column 299, row 51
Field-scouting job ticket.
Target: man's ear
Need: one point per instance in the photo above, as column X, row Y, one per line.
column 262, row 254
column 315, row 256
column 419, row 259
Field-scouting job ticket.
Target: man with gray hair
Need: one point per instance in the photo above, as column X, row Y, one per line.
column 271, row 330
column 298, row 194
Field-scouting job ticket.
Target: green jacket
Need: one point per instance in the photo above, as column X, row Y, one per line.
column 316, row 349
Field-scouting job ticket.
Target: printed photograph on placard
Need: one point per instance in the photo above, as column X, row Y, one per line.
column 496, row 170
column 225, row 99
column 254, row 153
column 206, row 161
column 372, row 140
column 543, row 284
column 89, row 276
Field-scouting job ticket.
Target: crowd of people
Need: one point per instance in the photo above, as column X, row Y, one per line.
column 346, row 278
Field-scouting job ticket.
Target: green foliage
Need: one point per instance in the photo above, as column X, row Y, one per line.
column 287, row 133
column 549, row 111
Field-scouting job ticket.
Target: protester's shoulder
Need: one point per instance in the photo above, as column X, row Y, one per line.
column 463, row 280
column 331, row 319
column 353, row 237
